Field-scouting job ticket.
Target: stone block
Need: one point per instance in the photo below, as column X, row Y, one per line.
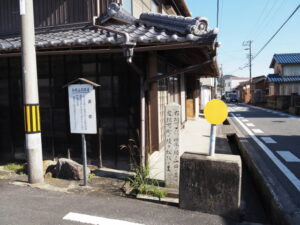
column 210, row 184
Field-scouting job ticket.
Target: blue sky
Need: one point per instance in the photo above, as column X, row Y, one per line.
column 257, row 20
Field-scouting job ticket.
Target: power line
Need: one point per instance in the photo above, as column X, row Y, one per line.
column 266, row 44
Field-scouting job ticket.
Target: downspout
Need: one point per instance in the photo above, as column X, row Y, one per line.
column 128, row 53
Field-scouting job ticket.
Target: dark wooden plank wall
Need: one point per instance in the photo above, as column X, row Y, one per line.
column 49, row 13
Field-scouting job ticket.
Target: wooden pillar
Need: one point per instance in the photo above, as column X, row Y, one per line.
column 153, row 104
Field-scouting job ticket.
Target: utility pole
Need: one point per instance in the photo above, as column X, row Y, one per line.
column 31, row 95
column 248, row 44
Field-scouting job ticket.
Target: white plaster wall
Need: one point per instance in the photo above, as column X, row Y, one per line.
column 205, row 96
column 291, row 70
column 182, row 97
column 232, row 83
column 140, row 6
column 207, row 81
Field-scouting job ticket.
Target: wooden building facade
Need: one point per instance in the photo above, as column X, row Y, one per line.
column 142, row 65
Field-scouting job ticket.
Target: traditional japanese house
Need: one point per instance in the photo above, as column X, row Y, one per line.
column 142, row 64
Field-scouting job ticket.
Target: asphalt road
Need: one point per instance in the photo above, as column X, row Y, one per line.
column 276, row 139
column 26, row 205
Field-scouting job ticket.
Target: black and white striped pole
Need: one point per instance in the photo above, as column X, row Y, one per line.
column 31, row 95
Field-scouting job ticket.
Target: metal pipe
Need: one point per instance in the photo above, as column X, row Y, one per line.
column 143, row 113
column 143, row 122
column 212, row 141
column 84, row 164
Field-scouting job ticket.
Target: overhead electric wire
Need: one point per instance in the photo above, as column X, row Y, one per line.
column 259, row 18
column 266, row 44
column 269, row 20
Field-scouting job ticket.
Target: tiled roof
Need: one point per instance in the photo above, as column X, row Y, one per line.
column 149, row 29
column 287, row 58
column 275, row 78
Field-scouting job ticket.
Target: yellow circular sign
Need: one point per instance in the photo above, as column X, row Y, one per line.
column 215, row 111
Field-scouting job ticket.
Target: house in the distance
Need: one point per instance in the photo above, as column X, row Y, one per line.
column 284, row 84
column 231, row 82
column 286, row 77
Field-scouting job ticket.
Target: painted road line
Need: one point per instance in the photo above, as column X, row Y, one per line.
column 288, row 156
column 238, row 114
column 83, row 218
column 250, row 124
column 245, row 120
column 257, row 131
column 245, row 141
column 268, row 140
column 289, row 174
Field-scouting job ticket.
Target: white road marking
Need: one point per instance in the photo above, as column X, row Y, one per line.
column 288, row 156
column 257, row 131
column 83, row 218
column 250, row 124
column 244, row 140
column 245, row 120
column 238, row 114
column 268, row 140
column 289, row 174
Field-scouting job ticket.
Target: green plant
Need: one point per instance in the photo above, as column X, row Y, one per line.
column 141, row 181
column 17, row 168
column 91, row 175
column 143, row 184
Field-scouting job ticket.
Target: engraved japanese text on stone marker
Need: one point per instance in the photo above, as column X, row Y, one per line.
column 172, row 158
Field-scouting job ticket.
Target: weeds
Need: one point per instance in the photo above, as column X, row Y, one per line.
column 141, row 181
column 17, row 168
column 143, row 184
column 91, row 175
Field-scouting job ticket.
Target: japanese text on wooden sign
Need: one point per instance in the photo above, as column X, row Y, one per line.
column 82, row 108
column 172, row 158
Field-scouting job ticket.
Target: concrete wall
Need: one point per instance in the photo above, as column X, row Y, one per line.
column 291, row 70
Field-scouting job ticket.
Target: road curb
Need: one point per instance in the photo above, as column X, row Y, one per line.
column 277, row 202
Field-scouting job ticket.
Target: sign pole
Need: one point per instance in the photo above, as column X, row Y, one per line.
column 84, row 159
column 212, row 141
column 215, row 112
column 100, row 147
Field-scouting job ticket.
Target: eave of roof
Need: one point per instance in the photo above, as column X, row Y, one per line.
column 151, row 32
column 276, row 78
column 285, row 58
column 150, row 29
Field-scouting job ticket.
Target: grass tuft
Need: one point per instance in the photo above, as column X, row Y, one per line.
column 17, row 168
column 143, row 184
column 91, row 175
